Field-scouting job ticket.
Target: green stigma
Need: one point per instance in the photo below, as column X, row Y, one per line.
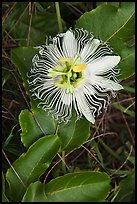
column 69, row 73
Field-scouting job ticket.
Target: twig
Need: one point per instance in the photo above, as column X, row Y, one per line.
column 124, row 161
column 55, row 165
column 13, row 169
column 31, row 7
column 94, row 157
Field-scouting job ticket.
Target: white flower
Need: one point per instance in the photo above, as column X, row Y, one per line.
column 74, row 71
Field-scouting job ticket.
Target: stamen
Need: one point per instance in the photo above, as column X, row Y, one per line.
column 79, row 67
column 65, row 60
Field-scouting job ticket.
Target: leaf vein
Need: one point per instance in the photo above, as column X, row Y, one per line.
column 120, row 27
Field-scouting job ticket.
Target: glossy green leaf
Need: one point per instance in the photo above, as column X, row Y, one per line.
column 74, row 133
column 78, row 187
column 117, row 26
column 4, row 198
column 127, row 64
column 126, row 189
column 83, row 186
column 31, row 165
column 35, row 193
column 35, row 125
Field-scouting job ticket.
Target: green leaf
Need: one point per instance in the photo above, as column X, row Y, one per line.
column 35, row 193
column 78, row 187
column 31, row 165
column 4, row 198
column 126, row 189
column 74, row 133
column 127, row 64
column 117, row 26
column 6, row 143
column 35, row 125
column 113, row 3
column 83, row 186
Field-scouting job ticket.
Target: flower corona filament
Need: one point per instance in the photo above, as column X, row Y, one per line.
column 74, row 71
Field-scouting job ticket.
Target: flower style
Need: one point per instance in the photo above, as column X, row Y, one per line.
column 74, row 71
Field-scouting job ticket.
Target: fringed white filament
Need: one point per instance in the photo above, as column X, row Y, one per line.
column 88, row 99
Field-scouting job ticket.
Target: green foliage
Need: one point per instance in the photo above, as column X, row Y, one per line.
column 73, row 187
column 74, row 133
column 35, row 125
column 123, row 109
column 43, row 137
column 78, row 187
column 126, row 189
column 22, row 58
column 33, row 25
column 31, row 165
column 4, row 198
column 117, row 26
column 9, row 138
column 35, row 193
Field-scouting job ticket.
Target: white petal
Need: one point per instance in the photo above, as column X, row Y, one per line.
column 69, row 44
column 89, row 48
column 101, row 65
column 106, row 83
column 63, row 106
column 82, row 105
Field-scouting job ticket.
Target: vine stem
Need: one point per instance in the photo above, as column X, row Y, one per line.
column 63, row 162
column 58, row 16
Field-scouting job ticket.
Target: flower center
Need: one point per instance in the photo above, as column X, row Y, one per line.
column 68, row 74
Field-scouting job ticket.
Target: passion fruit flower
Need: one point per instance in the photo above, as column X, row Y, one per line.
column 74, row 71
